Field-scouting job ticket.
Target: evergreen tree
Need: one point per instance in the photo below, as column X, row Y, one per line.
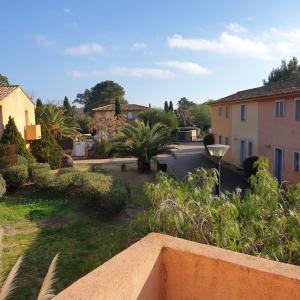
column 47, row 150
column 117, row 107
column 66, row 104
column 149, row 105
column 39, row 103
column 3, row 80
column 166, row 107
column 11, row 135
column 171, row 106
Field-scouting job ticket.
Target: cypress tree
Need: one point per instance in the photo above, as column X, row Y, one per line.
column 11, row 135
column 166, row 108
column 117, row 107
column 171, row 106
column 66, row 104
column 47, row 150
column 39, row 103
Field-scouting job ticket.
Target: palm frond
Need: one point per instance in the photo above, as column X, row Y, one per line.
column 47, row 290
column 9, row 284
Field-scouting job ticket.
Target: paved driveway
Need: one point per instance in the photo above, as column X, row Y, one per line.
column 189, row 158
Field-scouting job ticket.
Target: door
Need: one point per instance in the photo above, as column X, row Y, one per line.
column 278, row 164
column 242, row 151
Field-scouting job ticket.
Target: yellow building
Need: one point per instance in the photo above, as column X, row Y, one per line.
column 16, row 104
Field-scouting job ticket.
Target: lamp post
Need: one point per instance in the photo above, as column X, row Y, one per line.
column 218, row 150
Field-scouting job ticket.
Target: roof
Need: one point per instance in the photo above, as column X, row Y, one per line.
column 125, row 107
column 5, row 90
column 279, row 88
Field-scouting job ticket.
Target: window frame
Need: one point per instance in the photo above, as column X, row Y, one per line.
column 220, row 111
column 294, row 169
column 243, row 116
column 226, row 111
column 220, row 139
column 295, row 101
column 226, row 140
column 283, row 108
column 131, row 118
column 248, row 144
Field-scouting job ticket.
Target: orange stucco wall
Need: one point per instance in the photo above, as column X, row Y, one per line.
column 168, row 268
column 283, row 132
column 222, row 126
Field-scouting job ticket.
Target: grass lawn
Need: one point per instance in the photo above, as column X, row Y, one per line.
column 39, row 225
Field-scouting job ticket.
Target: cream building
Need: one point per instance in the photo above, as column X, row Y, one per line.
column 16, row 104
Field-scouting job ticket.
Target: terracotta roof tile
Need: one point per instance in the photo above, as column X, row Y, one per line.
column 279, row 88
column 125, row 107
column 6, row 90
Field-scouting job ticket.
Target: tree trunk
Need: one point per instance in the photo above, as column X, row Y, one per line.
column 144, row 166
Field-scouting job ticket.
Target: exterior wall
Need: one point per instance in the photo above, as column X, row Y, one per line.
column 165, row 267
column 222, row 126
column 15, row 105
column 283, row 132
column 244, row 130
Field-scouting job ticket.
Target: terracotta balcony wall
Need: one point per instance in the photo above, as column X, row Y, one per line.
column 164, row 267
column 32, row 132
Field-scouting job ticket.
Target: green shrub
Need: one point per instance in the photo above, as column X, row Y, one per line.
column 37, row 167
column 11, row 135
column 154, row 115
column 66, row 171
column 21, row 160
column 250, row 166
column 39, row 173
column 2, row 186
column 104, row 148
column 66, row 161
column 46, row 149
column 209, row 139
column 16, row 176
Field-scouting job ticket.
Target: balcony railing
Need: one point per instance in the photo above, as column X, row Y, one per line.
column 32, row 132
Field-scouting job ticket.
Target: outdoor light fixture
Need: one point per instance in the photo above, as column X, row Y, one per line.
column 219, row 151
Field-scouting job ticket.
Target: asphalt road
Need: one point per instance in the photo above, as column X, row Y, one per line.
column 189, row 158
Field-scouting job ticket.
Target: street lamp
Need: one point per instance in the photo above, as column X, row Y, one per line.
column 218, row 150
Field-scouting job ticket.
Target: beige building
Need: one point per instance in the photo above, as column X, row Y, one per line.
column 16, row 104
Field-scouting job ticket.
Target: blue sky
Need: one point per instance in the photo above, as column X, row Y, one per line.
column 157, row 50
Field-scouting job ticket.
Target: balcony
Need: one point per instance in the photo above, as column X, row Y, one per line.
column 32, row 132
column 164, row 267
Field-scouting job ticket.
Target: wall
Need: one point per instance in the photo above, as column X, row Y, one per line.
column 244, row 130
column 222, row 126
column 15, row 105
column 281, row 132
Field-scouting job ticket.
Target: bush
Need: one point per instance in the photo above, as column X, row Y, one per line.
column 66, row 161
column 16, row 176
column 209, row 139
column 37, row 167
column 2, row 186
column 66, row 171
column 104, row 148
column 250, row 166
column 153, row 116
column 39, row 173
column 47, row 150
column 11, row 135
column 21, row 160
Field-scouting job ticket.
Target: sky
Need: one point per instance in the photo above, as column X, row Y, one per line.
column 157, row 50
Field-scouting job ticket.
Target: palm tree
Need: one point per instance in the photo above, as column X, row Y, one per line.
column 143, row 141
column 58, row 122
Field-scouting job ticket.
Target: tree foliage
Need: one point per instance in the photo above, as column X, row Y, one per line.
column 184, row 112
column 103, row 93
column 47, row 150
column 11, row 135
column 285, row 71
column 166, row 106
column 171, row 106
column 262, row 221
column 83, row 120
column 66, row 105
column 143, row 141
column 3, row 80
column 202, row 116
column 153, row 116
column 117, row 107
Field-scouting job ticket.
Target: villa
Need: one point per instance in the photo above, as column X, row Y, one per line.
column 16, row 104
column 263, row 121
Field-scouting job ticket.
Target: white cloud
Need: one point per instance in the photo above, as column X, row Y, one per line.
column 236, row 28
column 142, row 72
column 187, row 66
column 139, row 46
column 226, row 44
column 124, row 72
column 67, row 10
column 273, row 43
column 44, row 41
column 85, row 49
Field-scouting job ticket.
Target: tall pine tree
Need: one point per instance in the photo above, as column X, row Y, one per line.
column 117, row 107
column 171, row 106
column 66, row 104
column 166, row 107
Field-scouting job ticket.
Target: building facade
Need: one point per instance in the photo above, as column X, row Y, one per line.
column 16, row 104
column 264, row 121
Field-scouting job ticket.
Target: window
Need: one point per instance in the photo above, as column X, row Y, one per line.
column 26, row 118
column 279, row 108
column 226, row 140
column 297, row 109
column 220, row 111
column 250, row 148
column 220, row 139
column 129, row 116
column 226, row 112
column 243, row 112
column 297, row 162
